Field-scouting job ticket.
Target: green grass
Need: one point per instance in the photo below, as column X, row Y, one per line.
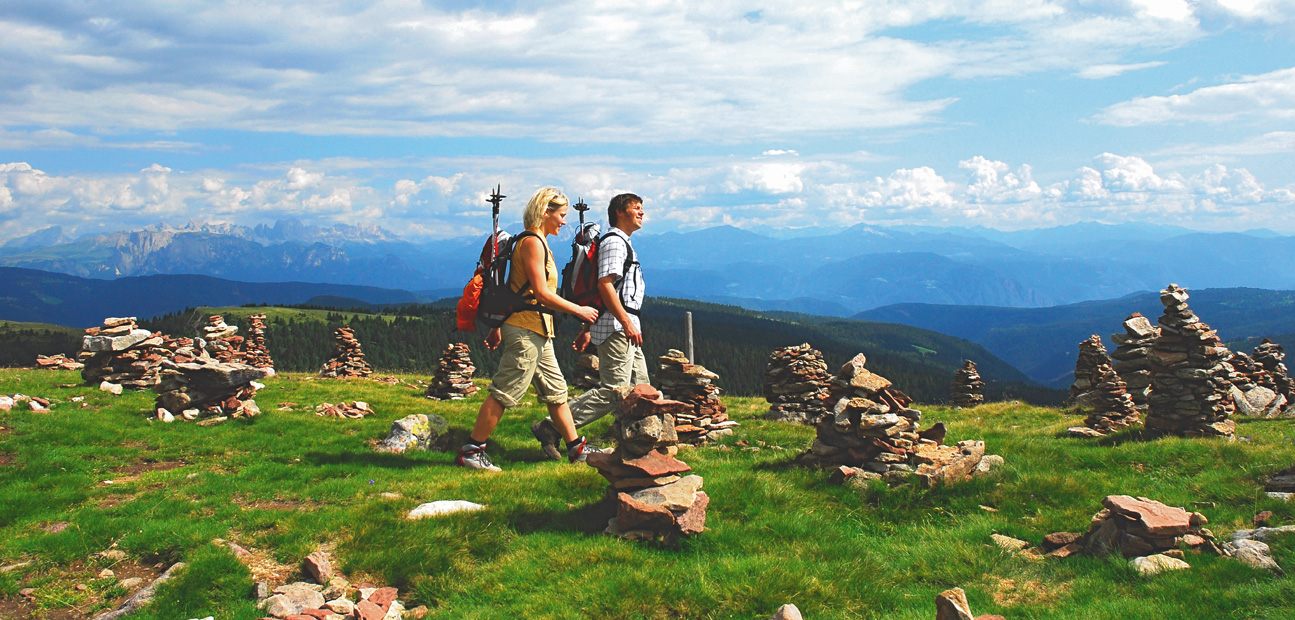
column 288, row 481
column 300, row 314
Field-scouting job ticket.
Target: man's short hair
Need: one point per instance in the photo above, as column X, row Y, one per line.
column 619, row 204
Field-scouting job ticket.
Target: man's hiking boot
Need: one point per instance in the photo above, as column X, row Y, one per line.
column 474, row 457
column 549, row 438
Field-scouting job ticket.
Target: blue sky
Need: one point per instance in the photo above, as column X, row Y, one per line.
column 774, row 115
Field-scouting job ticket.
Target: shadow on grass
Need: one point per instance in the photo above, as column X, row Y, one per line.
column 590, row 519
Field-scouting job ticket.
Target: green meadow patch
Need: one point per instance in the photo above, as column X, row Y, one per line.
column 98, row 475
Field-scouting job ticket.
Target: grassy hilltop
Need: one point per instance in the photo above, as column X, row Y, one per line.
column 81, row 480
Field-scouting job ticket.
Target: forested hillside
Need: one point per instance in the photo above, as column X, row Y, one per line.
column 730, row 341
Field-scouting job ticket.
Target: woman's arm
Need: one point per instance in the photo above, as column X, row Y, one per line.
column 531, row 257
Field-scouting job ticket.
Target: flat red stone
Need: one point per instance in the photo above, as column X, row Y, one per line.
column 382, row 597
column 1150, row 516
column 693, row 520
column 632, row 514
column 368, row 611
column 654, row 464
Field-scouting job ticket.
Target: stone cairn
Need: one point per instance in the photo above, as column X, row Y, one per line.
column 453, row 377
column 586, row 372
column 119, row 354
column 1113, row 407
column 1270, row 355
column 1092, row 355
column 693, row 384
column 1130, row 355
column 254, row 351
column 223, row 342
column 967, row 386
column 654, row 500
column 1250, row 388
column 871, row 433
column 58, row 361
column 795, row 385
column 347, row 359
column 1190, row 394
column 1136, row 528
column 208, row 389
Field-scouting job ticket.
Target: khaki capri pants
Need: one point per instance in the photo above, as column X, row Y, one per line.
column 528, row 359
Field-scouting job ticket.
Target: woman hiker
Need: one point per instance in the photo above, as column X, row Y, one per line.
column 527, row 335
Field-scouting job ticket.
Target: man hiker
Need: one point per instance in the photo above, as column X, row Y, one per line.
column 617, row 333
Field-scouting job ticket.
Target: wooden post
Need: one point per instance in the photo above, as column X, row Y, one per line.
column 687, row 328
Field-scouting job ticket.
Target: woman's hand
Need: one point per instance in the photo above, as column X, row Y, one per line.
column 586, row 313
column 493, row 338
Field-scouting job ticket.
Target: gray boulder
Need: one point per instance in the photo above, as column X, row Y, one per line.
column 418, row 431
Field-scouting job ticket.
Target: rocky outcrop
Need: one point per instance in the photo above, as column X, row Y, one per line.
column 419, row 431
column 1190, row 392
column 796, row 385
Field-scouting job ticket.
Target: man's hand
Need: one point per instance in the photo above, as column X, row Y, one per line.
column 632, row 333
column 493, row 338
column 582, row 341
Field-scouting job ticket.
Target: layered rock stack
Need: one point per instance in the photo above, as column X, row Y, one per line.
column 355, row 410
column 205, row 388
column 254, row 351
column 1113, row 407
column 58, row 361
column 1190, row 393
column 1140, row 527
column 223, row 342
column 347, row 359
column 872, row 433
column 121, row 354
column 694, row 385
column 453, row 377
column 586, row 374
column 1252, row 388
column 796, row 385
column 1092, row 354
column 1271, row 356
column 1130, row 355
column 967, row 386
column 655, row 496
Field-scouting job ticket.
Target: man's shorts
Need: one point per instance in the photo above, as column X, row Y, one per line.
column 528, row 358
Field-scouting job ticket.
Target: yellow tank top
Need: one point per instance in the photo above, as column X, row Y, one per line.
column 537, row 322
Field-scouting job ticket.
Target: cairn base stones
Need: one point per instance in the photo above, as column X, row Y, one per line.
column 968, row 388
column 1113, row 407
column 207, row 389
column 1139, row 527
column 1092, row 355
column 693, row 384
column 656, row 498
column 1190, row 391
column 58, row 361
column 347, row 359
column 1130, row 356
column 1250, row 389
column 453, row 378
column 796, row 385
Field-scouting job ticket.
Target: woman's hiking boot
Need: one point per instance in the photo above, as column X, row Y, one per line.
column 473, row 456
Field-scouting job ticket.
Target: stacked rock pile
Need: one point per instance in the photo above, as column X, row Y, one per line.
column 347, row 359
column 58, row 361
column 1250, row 388
column 586, row 374
column 223, row 342
column 119, row 354
column 1140, row 527
column 453, row 377
column 1190, row 393
column 795, row 385
column 654, row 500
column 1092, row 355
column 355, row 411
column 967, row 386
column 872, row 433
column 330, row 597
column 1270, row 355
column 1130, row 355
column 1113, row 407
column 35, row 403
column 254, row 351
column 693, row 384
column 205, row 388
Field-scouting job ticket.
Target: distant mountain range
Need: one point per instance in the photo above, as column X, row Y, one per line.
column 1043, row 342
column 840, row 273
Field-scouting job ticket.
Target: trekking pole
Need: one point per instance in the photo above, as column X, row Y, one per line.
column 581, row 207
column 495, row 199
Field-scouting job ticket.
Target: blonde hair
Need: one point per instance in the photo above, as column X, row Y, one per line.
column 545, row 200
